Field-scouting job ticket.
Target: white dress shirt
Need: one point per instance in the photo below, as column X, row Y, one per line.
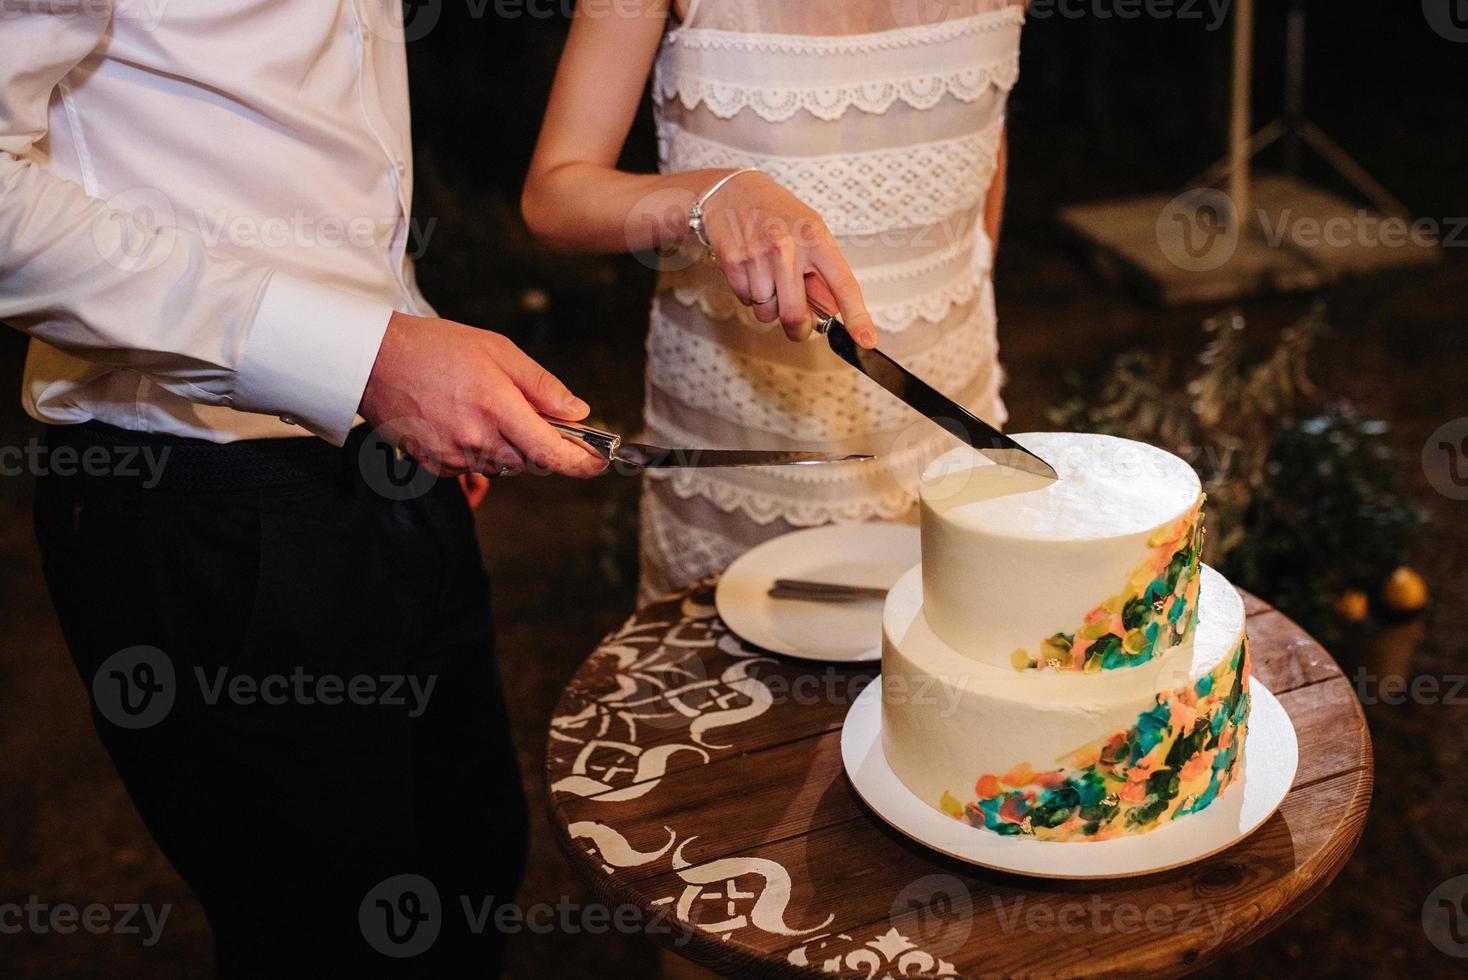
column 203, row 209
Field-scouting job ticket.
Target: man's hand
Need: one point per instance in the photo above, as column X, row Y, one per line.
column 461, row 400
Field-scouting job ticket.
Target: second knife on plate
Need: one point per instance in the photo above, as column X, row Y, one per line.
column 939, row 409
column 636, row 455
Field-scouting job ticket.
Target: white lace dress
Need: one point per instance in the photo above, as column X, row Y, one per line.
column 888, row 125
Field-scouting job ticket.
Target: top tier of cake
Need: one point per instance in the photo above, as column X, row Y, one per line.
column 1094, row 571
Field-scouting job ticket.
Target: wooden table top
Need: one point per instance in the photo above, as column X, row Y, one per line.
column 699, row 780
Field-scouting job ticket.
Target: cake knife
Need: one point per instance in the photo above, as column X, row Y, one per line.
column 639, row 456
column 937, row 407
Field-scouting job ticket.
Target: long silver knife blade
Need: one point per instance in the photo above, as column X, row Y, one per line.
column 937, row 407
column 656, row 457
column 638, row 456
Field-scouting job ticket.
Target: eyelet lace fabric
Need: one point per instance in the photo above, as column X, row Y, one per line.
column 898, row 294
column 808, row 407
column 820, row 75
column 863, row 193
column 675, row 552
column 892, row 135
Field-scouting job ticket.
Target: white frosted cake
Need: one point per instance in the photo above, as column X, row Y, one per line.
column 1061, row 664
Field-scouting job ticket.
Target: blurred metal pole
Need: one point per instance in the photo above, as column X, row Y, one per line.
column 1238, row 138
column 1294, row 100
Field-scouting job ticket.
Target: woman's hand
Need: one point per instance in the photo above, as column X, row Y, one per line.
column 772, row 249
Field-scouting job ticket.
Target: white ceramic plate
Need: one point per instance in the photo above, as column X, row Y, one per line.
column 1271, row 755
column 871, row 554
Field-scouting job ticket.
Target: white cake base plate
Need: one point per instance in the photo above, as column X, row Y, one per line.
column 875, row 553
column 1271, row 756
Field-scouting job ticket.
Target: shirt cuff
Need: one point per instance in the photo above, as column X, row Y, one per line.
column 309, row 354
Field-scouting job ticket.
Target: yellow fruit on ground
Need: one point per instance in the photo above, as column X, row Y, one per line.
column 1405, row 591
column 1352, row 606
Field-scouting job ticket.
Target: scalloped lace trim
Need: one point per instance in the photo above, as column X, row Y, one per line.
column 710, row 39
column 766, row 508
column 702, row 285
column 821, row 406
column 862, row 193
column 922, row 90
column 883, row 489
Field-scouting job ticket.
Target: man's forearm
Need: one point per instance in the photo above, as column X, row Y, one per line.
column 103, row 284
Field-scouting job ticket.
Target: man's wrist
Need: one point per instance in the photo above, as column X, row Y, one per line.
column 309, row 354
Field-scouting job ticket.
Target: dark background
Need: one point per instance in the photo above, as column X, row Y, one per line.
column 1104, row 107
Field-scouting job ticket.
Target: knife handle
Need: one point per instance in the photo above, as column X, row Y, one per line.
column 603, row 442
column 824, row 318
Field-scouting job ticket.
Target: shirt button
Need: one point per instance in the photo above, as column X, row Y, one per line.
column 402, row 167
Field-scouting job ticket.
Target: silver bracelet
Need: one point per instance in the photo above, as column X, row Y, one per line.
column 695, row 213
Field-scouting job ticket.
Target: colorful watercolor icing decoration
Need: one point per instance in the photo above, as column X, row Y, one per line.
column 1178, row 757
column 1157, row 611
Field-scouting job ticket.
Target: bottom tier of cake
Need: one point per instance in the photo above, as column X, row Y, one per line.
column 1059, row 755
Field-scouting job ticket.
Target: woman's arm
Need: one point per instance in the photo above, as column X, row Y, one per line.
column 770, row 246
column 574, row 196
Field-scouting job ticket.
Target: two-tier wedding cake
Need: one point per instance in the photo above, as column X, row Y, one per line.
column 1062, row 664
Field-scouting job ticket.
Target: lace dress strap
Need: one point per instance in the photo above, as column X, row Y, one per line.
column 690, row 15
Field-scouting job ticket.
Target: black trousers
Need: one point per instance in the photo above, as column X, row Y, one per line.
column 294, row 674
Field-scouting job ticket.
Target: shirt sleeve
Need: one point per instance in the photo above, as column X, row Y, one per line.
column 116, row 283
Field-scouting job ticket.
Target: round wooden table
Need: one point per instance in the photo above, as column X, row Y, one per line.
column 696, row 784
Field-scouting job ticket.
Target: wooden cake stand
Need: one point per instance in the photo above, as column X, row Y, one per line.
column 696, row 784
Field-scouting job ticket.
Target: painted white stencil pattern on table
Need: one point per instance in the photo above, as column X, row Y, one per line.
column 721, row 897
column 889, row 956
column 659, row 682
column 614, row 850
column 717, row 899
